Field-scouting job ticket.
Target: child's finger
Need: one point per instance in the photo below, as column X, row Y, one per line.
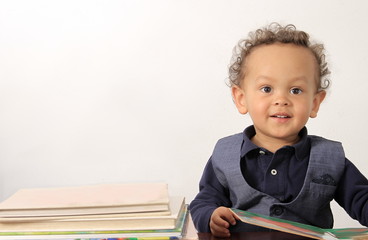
column 230, row 217
column 219, row 231
column 221, row 221
column 235, row 216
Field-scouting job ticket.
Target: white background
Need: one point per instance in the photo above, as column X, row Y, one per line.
column 131, row 91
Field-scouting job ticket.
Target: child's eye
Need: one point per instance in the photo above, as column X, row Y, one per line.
column 296, row 91
column 266, row 89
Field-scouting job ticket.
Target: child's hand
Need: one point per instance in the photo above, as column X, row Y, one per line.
column 220, row 221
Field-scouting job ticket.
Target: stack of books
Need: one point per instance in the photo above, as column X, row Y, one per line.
column 130, row 210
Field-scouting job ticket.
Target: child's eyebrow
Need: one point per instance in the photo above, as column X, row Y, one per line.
column 303, row 80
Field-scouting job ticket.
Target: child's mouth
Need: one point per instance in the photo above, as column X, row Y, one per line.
column 280, row 116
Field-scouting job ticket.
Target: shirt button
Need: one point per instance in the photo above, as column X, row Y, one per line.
column 262, row 152
column 277, row 210
column 274, row 172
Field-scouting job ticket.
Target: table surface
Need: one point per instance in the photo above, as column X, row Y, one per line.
column 254, row 236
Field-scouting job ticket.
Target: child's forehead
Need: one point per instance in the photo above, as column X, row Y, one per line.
column 281, row 61
column 288, row 56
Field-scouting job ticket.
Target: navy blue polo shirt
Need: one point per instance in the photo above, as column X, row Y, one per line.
column 281, row 175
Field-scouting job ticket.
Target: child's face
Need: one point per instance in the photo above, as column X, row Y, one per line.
column 279, row 91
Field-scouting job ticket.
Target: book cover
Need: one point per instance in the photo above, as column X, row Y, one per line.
column 299, row 228
column 122, row 198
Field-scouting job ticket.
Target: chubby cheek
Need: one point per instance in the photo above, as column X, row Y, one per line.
column 258, row 109
column 304, row 111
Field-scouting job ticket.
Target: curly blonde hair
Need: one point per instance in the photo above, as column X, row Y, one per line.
column 275, row 33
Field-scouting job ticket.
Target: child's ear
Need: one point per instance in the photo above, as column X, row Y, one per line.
column 239, row 99
column 318, row 99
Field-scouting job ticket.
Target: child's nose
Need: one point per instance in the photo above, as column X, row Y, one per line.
column 281, row 101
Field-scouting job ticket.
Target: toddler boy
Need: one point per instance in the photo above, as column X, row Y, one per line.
column 274, row 167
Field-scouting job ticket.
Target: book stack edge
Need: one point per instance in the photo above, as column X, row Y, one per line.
column 130, row 210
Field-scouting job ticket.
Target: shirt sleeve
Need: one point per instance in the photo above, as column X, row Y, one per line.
column 211, row 196
column 352, row 193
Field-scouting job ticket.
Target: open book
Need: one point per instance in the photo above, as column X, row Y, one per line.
column 299, row 228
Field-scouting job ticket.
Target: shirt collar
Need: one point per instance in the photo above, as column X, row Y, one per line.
column 302, row 147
